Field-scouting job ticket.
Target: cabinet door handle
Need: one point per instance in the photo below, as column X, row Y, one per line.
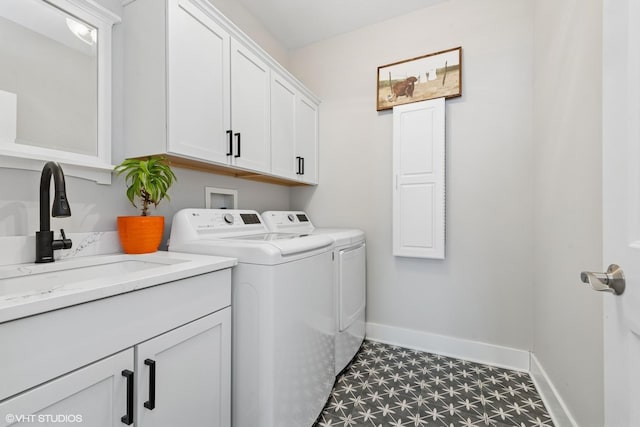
column 128, row 417
column 302, row 171
column 229, row 133
column 238, row 136
column 298, row 165
column 151, row 403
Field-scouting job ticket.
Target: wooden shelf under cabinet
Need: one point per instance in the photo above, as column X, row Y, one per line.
column 181, row 162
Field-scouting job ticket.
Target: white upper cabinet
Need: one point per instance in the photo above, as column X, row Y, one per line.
column 294, row 132
column 249, row 109
column 283, row 127
column 419, row 179
column 198, row 90
column 199, row 114
column 307, row 140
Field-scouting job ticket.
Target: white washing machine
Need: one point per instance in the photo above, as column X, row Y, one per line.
column 282, row 306
column 349, row 278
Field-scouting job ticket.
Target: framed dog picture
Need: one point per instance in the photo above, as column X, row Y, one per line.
column 430, row 76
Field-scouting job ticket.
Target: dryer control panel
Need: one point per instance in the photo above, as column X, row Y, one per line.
column 287, row 221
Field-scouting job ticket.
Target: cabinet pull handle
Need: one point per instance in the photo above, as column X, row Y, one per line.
column 238, row 136
column 151, row 403
column 302, row 171
column 298, row 165
column 230, row 152
column 128, row 417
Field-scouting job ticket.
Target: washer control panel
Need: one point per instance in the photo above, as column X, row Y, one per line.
column 224, row 220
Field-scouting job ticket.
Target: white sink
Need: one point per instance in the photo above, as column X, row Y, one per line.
column 25, row 278
column 28, row 289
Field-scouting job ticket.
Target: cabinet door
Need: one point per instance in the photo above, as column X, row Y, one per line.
column 192, row 383
column 283, row 128
column 198, row 79
column 307, row 140
column 95, row 395
column 419, row 179
column 250, row 109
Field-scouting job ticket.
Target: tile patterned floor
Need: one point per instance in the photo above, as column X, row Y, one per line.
column 393, row 386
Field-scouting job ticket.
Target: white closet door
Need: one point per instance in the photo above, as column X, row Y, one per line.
column 419, row 179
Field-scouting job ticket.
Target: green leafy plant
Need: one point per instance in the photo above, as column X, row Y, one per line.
column 148, row 180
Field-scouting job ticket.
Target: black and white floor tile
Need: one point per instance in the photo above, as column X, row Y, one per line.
column 393, row 386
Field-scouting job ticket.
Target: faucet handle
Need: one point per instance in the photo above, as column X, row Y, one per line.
column 66, row 243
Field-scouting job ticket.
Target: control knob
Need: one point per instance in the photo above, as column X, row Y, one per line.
column 290, row 217
column 228, row 218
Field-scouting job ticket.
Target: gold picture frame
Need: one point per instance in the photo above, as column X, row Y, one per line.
column 435, row 75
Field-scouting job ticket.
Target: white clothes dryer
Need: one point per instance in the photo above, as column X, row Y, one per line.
column 282, row 314
column 349, row 256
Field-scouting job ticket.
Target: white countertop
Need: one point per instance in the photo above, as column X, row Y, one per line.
column 16, row 303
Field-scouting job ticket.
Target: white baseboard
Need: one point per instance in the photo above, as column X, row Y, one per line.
column 473, row 351
column 559, row 412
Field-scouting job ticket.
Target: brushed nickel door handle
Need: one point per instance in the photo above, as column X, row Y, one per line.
column 611, row 281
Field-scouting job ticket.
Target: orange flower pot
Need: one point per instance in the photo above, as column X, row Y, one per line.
column 140, row 234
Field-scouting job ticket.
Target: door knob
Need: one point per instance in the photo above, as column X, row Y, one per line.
column 611, row 281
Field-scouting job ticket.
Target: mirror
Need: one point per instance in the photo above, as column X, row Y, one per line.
column 50, row 74
column 55, row 84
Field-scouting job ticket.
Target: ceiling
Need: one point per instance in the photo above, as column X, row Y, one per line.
column 296, row 23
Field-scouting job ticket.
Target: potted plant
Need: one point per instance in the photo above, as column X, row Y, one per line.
column 147, row 180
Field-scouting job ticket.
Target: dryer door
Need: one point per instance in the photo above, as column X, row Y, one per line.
column 351, row 285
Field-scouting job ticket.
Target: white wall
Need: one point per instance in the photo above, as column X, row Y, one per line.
column 236, row 12
column 95, row 207
column 568, row 210
column 483, row 290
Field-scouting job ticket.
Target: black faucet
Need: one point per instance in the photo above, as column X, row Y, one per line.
column 45, row 244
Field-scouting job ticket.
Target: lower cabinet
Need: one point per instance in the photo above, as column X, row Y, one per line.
column 184, row 376
column 95, row 395
column 181, row 377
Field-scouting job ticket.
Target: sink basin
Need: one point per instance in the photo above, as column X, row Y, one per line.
column 28, row 289
column 40, row 277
